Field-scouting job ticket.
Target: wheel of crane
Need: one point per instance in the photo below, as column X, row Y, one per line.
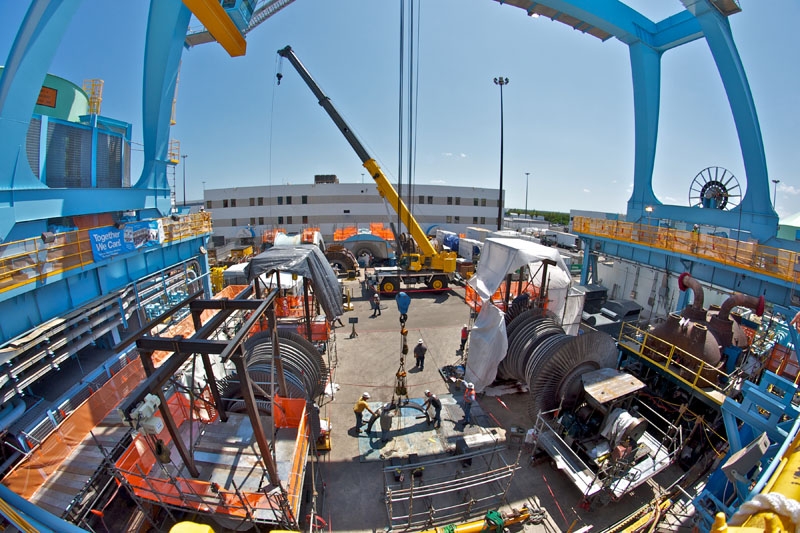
column 390, row 285
column 438, row 283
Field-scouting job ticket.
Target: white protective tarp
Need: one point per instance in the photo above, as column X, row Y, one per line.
column 500, row 257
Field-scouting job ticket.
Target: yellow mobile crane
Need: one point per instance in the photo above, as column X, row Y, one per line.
column 421, row 264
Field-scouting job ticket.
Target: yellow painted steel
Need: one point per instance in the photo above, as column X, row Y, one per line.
column 94, row 88
column 191, row 527
column 219, row 25
column 770, row 525
column 11, row 514
column 444, row 261
column 32, row 260
column 475, row 526
column 773, row 262
column 636, row 340
column 784, row 482
column 647, row 517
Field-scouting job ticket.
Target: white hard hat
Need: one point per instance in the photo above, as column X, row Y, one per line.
column 420, row 341
column 465, row 325
column 470, row 385
column 365, row 395
column 427, row 393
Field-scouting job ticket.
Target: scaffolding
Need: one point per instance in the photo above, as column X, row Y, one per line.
column 446, row 490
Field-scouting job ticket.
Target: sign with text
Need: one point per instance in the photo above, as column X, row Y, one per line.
column 110, row 241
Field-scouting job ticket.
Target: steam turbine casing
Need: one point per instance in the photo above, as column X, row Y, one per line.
column 692, row 338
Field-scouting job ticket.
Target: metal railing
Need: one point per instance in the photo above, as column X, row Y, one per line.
column 694, row 372
column 773, row 262
column 33, row 260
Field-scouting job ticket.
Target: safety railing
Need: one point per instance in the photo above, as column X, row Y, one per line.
column 34, row 260
column 699, row 375
column 499, row 299
column 774, row 262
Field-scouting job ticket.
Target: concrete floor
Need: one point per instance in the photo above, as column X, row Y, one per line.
column 353, row 499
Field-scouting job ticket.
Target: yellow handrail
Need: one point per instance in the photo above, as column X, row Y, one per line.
column 33, row 260
column 773, row 262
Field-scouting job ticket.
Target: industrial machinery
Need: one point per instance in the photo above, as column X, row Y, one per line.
column 419, row 262
column 607, row 441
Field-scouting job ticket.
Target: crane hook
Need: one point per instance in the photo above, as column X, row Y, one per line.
column 279, row 76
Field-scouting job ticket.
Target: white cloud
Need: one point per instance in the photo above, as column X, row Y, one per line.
column 586, row 190
column 447, row 154
column 788, row 189
column 463, row 155
column 438, row 182
column 670, row 199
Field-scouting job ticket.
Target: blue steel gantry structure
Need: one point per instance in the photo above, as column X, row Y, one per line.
column 744, row 253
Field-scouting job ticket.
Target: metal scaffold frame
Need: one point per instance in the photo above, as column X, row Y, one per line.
column 446, row 490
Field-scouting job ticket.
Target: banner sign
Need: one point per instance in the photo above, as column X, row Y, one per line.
column 110, row 241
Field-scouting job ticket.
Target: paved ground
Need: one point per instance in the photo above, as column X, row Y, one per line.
column 354, row 488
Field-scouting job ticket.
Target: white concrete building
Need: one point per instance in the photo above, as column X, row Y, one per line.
column 330, row 206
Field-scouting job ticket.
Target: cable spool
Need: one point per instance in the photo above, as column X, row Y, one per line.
column 304, row 369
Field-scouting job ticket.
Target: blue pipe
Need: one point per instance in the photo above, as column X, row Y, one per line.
column 45, row 521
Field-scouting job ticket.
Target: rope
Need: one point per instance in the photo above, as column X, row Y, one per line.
column 772, row 501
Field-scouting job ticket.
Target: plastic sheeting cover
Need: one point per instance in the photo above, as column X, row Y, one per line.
column 487, row 338
column 308, row 261
column 499, row 257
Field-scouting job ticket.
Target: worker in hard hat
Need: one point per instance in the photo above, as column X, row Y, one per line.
column 359, row 408
column 432, row 400
column 419, row 354
column 469, row 399
column 464, row 336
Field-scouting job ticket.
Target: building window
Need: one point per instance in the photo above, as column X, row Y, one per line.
column 430, row 199
column 260, row 221
column 260, row 200
column 252, row 221
column 457, row 220
column 208, row 204
column 252, row 202
column 233, row 202
column 449, row 200
column 474, row 220
column 483, row 220
column 449, row 219
column 458, row 200
column 233, row 222
column 483, row 202
column 224, row 203
column 304, row 199
column 280, row 200
column 280, row 220
column 421, row 199
column 288, row 220
column 288, row 200
column 305, row 219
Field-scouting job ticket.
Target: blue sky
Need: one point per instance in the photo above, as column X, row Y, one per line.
column 568, row 107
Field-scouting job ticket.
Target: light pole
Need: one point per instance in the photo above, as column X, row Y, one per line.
column 526, row 193
column 184, row 179
column 775, row 193
column 501, row 81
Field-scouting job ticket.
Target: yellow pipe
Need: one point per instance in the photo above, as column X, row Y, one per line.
column 476, row 526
